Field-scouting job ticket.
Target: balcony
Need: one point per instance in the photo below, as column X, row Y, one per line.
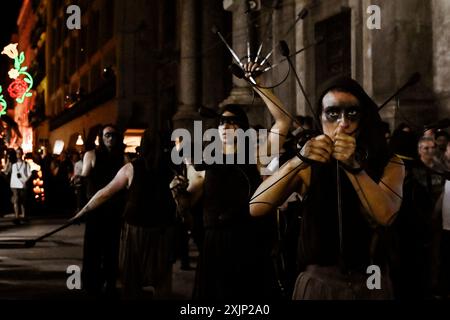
column 93, row 99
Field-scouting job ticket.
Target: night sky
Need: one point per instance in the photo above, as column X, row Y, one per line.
column 8, row 21
column 8, row 26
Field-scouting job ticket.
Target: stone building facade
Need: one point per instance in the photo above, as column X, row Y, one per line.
column 413, row 37
column 157, row 63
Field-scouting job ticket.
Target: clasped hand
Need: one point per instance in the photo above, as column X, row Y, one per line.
column 179, row 184
column 322, row 148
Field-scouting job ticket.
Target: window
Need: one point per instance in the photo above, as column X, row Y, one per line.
column 333, row 54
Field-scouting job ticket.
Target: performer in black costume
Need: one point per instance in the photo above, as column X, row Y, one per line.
column 149, row 216
column 336, row 251
column 102, row 233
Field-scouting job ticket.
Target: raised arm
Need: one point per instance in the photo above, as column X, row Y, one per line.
column 280, row 129
column 121, row 181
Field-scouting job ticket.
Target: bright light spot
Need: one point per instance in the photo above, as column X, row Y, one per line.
column 79, row 141
column 58, row 147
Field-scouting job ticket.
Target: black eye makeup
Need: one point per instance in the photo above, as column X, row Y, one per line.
column 334, row 113
column 110, row 134
column 231, row 120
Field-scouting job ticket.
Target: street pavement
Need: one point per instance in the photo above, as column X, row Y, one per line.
column 40, row 272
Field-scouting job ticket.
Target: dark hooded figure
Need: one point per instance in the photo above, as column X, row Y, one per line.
column 102, row 232
column 351, row 187
column 410, row 254
column 146, row 252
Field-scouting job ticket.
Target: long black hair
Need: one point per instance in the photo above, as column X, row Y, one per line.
column 119, row 146
column 370, row 139
column 153, row 149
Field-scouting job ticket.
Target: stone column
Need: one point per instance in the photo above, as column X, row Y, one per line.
column 441, row 57
column 241, row 93
column 188, row 88
column 214, row 63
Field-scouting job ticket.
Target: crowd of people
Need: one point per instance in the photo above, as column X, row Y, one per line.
column 55, row 192
column 346, row 194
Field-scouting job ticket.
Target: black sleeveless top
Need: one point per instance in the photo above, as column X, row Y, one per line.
column 107, row 165
column 227, row 190
column 319, row 235
column 150, row 202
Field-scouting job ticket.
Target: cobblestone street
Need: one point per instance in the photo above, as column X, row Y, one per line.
column 40, row 272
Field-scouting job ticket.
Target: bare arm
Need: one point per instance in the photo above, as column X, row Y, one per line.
column 195, row 187
column 274, row 190
column 294, row 176
column 280, row 129
column 382, row 200
column 121, row 181
column 88, row 163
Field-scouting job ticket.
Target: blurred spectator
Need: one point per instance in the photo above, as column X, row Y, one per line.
column 429, row 133
column 386, row 130
column 20, row 173
column 76, row 184
column 5, row 178
column 441, row 138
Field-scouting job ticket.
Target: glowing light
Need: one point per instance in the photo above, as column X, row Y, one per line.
column 97, row 143
column 79, row 141
column 11, row 50
column 58, row 147
column 20, row 88
column 27, row 142
column 17, row 88
column 132, row 139
column 13, row 73
column 3, row 104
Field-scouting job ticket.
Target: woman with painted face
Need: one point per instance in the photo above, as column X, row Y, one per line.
column 342, row 207
column 234, row 243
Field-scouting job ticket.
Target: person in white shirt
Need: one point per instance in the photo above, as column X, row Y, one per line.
column 20, row 173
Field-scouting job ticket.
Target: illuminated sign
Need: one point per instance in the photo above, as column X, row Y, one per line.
column 2, row 103
column 20, row 88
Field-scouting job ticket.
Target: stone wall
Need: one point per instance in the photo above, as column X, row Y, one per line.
column 441, row 55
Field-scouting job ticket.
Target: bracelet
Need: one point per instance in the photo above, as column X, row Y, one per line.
column 304, row 159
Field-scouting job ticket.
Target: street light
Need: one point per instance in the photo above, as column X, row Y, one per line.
column 79, row 141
